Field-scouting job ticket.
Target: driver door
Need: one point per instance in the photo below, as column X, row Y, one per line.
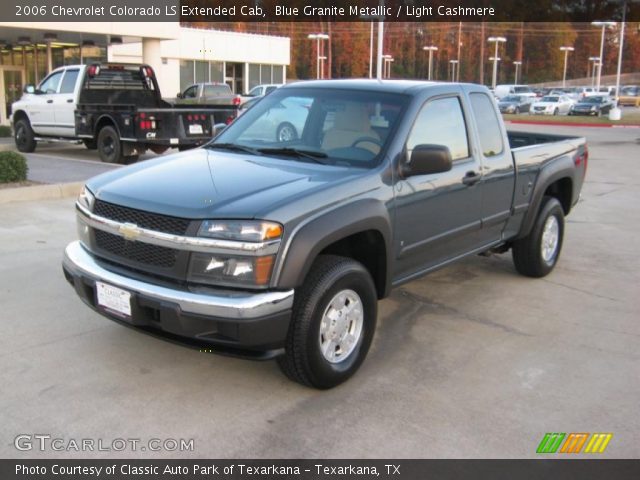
column 42, row 106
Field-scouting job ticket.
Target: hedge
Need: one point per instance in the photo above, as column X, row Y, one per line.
column 5, row 131
column 13, row 167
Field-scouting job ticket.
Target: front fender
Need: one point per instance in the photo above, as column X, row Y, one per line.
column 312, row 236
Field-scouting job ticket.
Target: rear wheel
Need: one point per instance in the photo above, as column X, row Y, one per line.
column 109, row 145
column 536, row 254
column 24, row 136
column 334, row 318
column 286, row 132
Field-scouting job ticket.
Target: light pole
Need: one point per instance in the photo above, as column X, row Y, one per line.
column 387, row 66
column 454, row 64
column 603, row 25
column 430, row 49
column 517, row 64
column 318, row 37
column 595, row 61
column 566, row 51
column 497, row 41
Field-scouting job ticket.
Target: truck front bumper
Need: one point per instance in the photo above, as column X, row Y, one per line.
column 240, row 323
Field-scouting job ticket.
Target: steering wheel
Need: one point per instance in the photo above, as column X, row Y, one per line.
column 373, row 140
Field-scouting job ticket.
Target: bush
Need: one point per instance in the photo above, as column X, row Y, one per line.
column 5, row 131
column 13, row 167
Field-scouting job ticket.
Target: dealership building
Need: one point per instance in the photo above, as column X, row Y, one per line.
column 180, row 56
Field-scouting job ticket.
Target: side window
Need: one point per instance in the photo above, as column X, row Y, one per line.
column 69, row 81
column 488, row 124
column 441, row 122
column 50, row 84
column 191, row 92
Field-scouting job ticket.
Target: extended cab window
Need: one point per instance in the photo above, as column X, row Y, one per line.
column 488, row 124
column 441, row 122
column 50, row 84
column 69, row 81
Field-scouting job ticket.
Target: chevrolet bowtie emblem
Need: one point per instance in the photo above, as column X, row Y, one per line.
column 130, row 231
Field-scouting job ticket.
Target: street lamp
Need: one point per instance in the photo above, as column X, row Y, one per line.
column 387, row 65
column 566, row 51
column 603, row 25
column 595, row 61
column 497, row 41
column 430, row 49
column 517, row 63
column 317, row 37
column 454, row 64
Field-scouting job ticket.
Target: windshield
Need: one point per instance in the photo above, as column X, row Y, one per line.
column 594, row 100
column 522, row 89
column 342, row 127
column 511, row 98
column 632, row 91
column 550, row 99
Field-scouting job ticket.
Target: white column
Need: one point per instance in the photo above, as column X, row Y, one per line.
column 151, row 54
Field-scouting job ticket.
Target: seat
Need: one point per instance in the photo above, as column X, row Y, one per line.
column 349, row 125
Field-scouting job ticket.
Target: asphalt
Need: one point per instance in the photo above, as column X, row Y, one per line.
column 473, row 361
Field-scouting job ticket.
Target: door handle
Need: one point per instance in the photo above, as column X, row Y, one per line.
column 69, row 100
column 471, row 178
column 49, row 101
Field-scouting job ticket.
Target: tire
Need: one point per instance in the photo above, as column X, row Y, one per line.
column 332, row 281
column 90, row 143
column 517, row 111
column 530, row 256
column 556, row 112
column 109, row 145
column 286, row 132
column 24, row 136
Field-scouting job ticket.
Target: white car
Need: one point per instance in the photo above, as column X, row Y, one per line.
column 281, row 121
column 262, row 90
column 552, row 105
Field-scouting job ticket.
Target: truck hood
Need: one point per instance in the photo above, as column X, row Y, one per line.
column 206, row 183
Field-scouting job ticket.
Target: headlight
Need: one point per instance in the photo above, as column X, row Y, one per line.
column 593, row 108
column 86, row 198
column 231, row 271
column 241, row 230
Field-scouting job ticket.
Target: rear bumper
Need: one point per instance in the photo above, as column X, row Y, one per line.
column 247, row 324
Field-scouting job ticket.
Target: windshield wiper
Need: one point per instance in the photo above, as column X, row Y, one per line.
column 296, row 152
column 234, row 147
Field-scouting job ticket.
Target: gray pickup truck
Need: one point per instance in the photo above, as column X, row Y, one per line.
column 264, row 247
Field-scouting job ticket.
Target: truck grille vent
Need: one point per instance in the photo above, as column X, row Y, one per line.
column 150, row 221
column 139, row 252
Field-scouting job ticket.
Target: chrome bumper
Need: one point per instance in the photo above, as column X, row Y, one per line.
column 206, row 301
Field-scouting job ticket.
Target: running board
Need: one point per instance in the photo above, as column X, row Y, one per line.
column 74, row 141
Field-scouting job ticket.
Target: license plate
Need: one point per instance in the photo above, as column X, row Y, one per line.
column 114, row 298
column 195, row 129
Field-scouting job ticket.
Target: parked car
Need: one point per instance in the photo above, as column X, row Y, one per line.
column 284, row 119
column 116, row 109
column 514, row 104
column 595, row 105
column 209, row 94
column 502, row 91
column 262, row 90
column 629, row 96
column 552, row 105
column 282, row 249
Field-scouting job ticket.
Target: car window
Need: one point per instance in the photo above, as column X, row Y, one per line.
column 216, row 90
column 191, row 92
column 441, row 122
column 50, row 84
column 488, row 124
column 69, row 81
column 254, row 92
column 550, row 99
column 269, row 90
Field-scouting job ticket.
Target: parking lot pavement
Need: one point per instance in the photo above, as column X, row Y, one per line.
column 472, row 361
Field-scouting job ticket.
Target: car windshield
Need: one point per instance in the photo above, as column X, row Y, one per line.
column 511, row 98
column 594, row 100
column 328, row 125
column 550, row 99
column 631, row 91
column 521, row 89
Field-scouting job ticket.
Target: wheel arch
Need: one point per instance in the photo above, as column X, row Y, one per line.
column 361, row 231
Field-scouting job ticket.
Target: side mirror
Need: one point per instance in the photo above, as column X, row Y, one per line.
column 29, row 89
column 428, row 159
column 179, row 95
column 218, row 128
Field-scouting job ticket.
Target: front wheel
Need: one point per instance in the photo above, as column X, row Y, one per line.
column 556, row 112
column 334, row 318
column 24, row 136
column 536, row 254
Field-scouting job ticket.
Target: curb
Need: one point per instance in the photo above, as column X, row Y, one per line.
column 40, row 192
column 565, row 124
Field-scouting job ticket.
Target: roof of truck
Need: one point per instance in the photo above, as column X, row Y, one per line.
column 391, row 86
